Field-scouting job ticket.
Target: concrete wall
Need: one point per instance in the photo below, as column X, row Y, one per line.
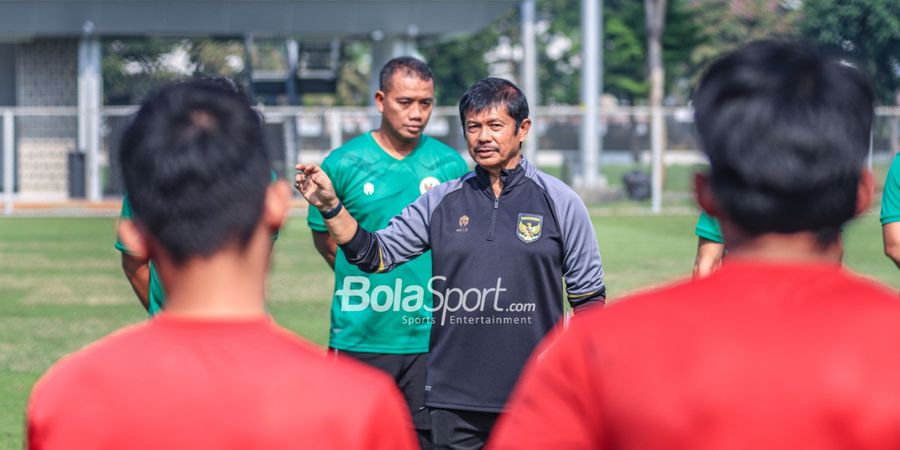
column 47, row 75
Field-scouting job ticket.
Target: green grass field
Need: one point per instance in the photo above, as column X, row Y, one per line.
column 61, row 286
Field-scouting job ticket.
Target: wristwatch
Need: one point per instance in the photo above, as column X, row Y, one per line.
column 333, row 211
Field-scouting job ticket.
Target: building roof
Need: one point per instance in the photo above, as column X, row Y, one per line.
column 301, row 18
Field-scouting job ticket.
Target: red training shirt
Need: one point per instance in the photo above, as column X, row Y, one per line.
column 756, row 356
column 202, row 384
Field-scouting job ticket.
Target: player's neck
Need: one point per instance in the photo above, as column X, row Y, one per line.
column 394, row 145
column 799, row 247
column 230, row 284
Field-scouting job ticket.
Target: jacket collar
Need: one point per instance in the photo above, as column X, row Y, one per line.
column 508, row 177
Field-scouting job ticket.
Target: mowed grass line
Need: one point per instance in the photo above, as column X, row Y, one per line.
column 61, row 285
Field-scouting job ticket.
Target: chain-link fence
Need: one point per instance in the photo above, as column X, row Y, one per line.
column 42, row 161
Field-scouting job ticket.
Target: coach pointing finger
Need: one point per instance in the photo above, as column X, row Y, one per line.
column 503, row 238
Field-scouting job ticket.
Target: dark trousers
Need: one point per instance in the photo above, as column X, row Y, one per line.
column 454, row 429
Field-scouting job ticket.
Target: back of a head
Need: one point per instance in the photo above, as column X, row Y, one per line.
column 492, row 92
column 787, row 134
column 405, row 65
column 195, row 168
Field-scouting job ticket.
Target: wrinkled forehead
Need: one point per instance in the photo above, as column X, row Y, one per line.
column 409, row 83
column 494, row 111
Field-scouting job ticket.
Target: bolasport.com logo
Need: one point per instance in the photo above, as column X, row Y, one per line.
column 454, row 306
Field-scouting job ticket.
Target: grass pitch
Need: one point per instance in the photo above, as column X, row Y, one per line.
column 61, row 285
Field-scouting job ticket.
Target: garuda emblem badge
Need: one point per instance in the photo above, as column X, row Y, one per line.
column 529, row 227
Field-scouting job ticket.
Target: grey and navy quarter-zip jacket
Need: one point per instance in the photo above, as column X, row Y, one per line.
column 498, row 267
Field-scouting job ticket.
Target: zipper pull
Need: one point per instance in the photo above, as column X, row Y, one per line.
column 496, row 203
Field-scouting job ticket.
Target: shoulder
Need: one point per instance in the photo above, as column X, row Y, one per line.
column 893, row 176
column 435, row 145
column 351, row 379
column 69, row 374
column 353, row 150
column 441, row 151
column 561, row 196
column 549, row 183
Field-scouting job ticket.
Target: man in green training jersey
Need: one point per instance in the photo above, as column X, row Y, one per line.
column 140, row 270
column 890, row 212
column 384, row 319
column 710, row 245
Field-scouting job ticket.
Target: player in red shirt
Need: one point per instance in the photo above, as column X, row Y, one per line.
column 781, row 348
column 213, row 371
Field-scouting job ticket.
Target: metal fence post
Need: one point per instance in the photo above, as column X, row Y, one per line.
column 529, row 72
column 334, row 128
column 656, row 155
column 8, row 144
column 289, row 127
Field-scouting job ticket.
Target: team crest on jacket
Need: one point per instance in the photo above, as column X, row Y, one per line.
column 529, row 227
column 463, row 224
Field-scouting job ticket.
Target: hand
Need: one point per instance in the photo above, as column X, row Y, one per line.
column 315, row 186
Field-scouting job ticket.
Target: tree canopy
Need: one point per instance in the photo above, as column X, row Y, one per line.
column 865, row 31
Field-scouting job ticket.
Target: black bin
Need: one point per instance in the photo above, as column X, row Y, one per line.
column 76, row 174
column 637, row 184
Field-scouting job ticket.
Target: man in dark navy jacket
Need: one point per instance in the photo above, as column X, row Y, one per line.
column 503, row 240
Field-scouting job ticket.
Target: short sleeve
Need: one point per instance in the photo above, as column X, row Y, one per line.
column 708, row 228
column 125, row 214
column 890, row 197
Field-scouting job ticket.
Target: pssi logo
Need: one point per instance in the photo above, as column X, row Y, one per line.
column 427, row 184
column 529, row 227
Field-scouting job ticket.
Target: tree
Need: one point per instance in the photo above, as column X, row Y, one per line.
column 864, row 31
column 728, row 25
column 131, row 68
column 459, row 61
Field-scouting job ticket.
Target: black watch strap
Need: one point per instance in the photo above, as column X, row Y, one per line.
column 333, row 211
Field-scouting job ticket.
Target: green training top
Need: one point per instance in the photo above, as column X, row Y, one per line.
column 156, row 296
column 890, row 198
column 383, row 313
column 708, row 228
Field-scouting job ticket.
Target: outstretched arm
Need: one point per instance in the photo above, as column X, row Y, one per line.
column 891, row 234
column 709, row 257
column 137, row 270
column 316, row 188
column 405, row 237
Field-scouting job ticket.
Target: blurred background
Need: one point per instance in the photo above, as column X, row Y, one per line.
column 609, row 81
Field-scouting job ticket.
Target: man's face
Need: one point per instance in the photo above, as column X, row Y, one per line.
column 494, row 141
column 406, row 106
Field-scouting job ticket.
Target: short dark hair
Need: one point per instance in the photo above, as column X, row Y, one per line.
column 409, row 66
column 491, row 93
column 787, row 134
column 195, row 168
